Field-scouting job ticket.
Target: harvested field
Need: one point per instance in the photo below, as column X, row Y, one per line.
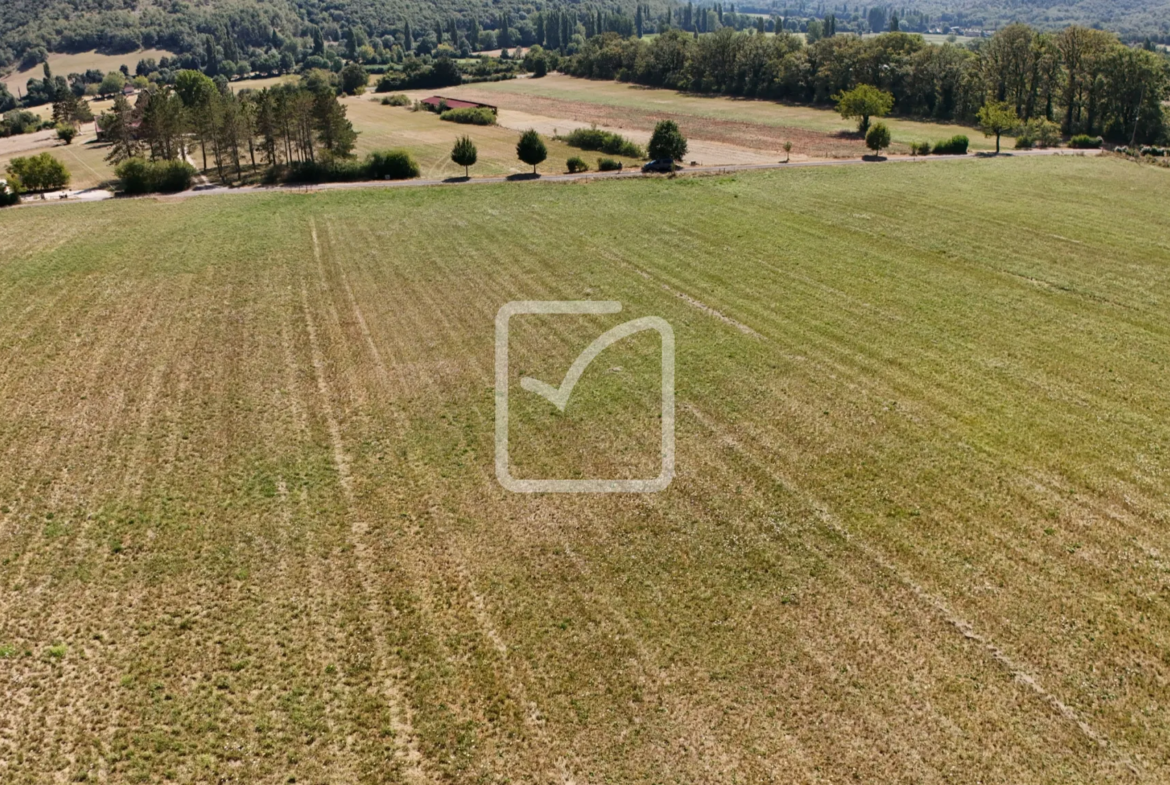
column 753, row 124
column 250, row 529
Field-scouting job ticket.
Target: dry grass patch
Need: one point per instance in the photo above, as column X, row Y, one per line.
column 748, row 123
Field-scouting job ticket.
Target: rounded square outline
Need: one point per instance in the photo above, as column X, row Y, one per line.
column 503, row 468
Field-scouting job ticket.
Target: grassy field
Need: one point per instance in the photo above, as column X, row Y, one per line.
column 250, row 529
column 85, row 158
column 430, row 140
column 79, row 62
column 816, row 132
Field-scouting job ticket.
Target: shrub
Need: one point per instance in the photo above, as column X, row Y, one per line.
column 1085, row 142
column 135, row 175
column 139, row 176
column 878, row 137
column 470, row 116
column 391, row 165
column 396, row 100
column 576, row 164
column 1038, row 132
column 920, row 148
column 325, row 171
column 608, row 165
column 10, row 191
column 66, row 132
column 956, row 145
column 172, row 176
column 602, row 141
column 39, row 172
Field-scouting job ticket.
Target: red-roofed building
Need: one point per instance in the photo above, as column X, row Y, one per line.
column 435, row 101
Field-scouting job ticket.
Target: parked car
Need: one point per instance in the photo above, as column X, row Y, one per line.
column 659, row 165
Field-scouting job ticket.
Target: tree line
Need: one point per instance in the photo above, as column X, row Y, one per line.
column 1086, row 80
column 277, row 127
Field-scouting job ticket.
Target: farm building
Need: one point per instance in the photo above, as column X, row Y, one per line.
column 435, row 101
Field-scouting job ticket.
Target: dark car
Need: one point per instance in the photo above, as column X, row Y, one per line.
column 659, row 165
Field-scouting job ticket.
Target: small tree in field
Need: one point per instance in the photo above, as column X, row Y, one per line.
column 878, row 138
column 787, row 151
column 863, row 102
column 996, row 118
column 465, row 154
column 66, row 132
column 530, row 149
column 667, row 141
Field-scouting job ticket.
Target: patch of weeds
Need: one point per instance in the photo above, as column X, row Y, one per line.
column 7, row 652
column 116, row 546
column 58, row 651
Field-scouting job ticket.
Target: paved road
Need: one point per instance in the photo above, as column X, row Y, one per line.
column 553, row 178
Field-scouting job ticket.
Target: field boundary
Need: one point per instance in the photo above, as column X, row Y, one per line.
column 563, row 178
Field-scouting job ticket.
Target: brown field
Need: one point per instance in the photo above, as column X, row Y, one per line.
column 250, row 530
column 744, row 123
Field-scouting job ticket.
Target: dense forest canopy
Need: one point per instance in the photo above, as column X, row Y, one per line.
column 29, row 28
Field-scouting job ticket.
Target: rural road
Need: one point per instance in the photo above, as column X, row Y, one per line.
column 548, row 178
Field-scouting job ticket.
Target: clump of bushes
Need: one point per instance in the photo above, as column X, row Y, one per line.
column 1085, row 142
column 577, row 164
column 1038, row 132
column 608, row 165
column 470, row 116
column 19, row 121
column 920, row 148
column 396, row 100
column 10, row 191
column 391, row 165
column 602, row 141
column 956, row 145
column 331, row 171
column 140, row 176
column 38, row 172
column 378, row 165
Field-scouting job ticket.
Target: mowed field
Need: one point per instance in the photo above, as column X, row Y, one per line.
column 79, row 62
column 430, row 140
column 250, row 529
column 748, row 123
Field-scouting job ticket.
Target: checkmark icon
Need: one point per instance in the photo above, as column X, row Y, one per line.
column 559, row 396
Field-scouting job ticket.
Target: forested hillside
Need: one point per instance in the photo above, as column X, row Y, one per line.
column 28, row 28
column 1133, row 19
